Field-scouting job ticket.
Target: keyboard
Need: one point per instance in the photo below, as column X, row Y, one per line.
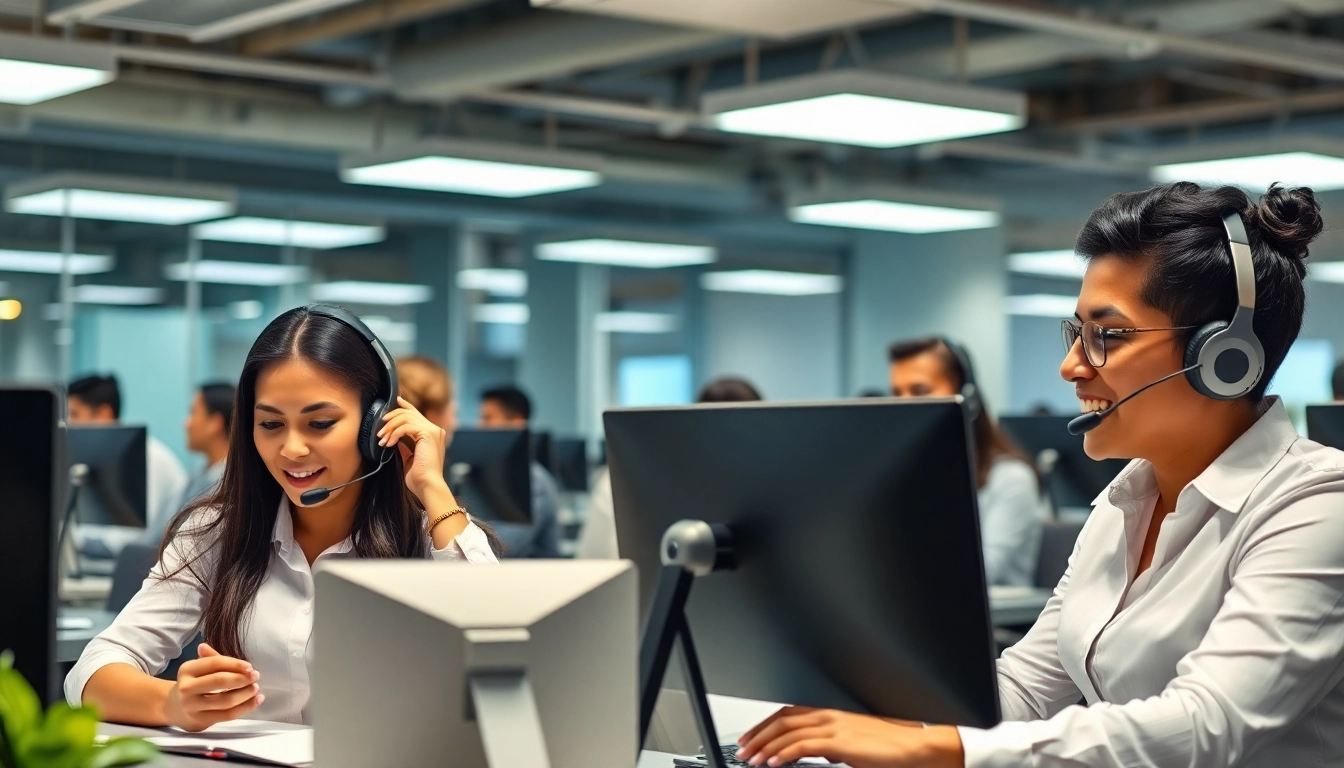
column 729, row 752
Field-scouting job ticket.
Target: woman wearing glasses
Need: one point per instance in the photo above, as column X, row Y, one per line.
column 1201, row 620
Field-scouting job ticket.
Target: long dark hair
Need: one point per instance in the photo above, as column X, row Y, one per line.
column 236, row 531
column 991, row 442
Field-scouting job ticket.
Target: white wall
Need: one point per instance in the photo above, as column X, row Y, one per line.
column 788, row 346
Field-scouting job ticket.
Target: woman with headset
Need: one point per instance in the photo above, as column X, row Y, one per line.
column 330, row 467
column 1008, row 490
column 1201, row 619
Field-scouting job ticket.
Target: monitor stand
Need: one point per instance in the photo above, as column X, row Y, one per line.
column 690, row 548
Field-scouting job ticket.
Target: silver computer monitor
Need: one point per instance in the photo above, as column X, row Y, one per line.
column 528, row 663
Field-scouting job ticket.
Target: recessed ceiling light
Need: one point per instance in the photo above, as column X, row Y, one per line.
column 771, row 281
column 1326, row 271
column 50, row 263
column 319, row 235
column 238, row 272
column 635, row 322
column 116, row 294
column 1257, row 172
column 498, row 282
column 866, row 109
column 361, row 292
column 1041, row 305
column 627, row 253
column 36, row 69
column 119, row 198
column 475, row 168
column 1062, row 263
column 504, row 314
column 893, row 216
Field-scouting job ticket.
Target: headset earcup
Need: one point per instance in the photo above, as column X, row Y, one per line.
column 1194, row 350
column 368, row 431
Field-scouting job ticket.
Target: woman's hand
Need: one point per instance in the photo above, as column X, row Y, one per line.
column 212, row 689
column 424, row 465
column 860, row 741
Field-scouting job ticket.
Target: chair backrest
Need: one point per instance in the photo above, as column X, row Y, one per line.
column 1057, row 540
column 133, row 565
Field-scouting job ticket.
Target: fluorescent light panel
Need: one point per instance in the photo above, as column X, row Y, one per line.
column 360, row 292
column 248, row 309
column 238, row 272
column 866, row 109
column 627, row 253
column 635, row 322
column 389, row 330
column 1063, row 263
column 33, row 70
column 1041, row 305
column 1326, row 271
column 475, row 168
column 1257, row 172
column 893, row 216
column 774, row 282
column 503, row 314
column 301, row 234
column 49, row 263
column 117, row 294
column 118, row 198
column 497, row 282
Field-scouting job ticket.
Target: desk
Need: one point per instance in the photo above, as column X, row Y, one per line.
column 70, row 642
column 1016, row 606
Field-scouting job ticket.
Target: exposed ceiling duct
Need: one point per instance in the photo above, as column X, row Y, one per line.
column 198, row 22
column 344, row 23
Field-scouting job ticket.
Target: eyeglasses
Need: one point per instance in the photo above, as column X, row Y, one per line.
column 1094, row 337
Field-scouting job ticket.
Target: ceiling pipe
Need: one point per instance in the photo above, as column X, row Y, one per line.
column 1140, row 43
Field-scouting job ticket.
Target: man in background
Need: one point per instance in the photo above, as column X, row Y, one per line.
column 208, row 427
column 96, row 400
column 510, row 408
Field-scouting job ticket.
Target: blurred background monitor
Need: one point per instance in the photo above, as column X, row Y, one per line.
column 115, row 491
column 1072, row 480
column 569, row 463
column 490, row 473
column 1325, row 424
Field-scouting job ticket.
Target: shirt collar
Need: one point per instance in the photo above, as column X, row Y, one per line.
column 1230, row 479
column 283, row 532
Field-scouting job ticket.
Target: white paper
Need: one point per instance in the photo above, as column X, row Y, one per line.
column 271, row 742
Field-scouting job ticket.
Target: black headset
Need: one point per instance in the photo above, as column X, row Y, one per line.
column 1226, row 358
column 970, row 392
column 386, row 399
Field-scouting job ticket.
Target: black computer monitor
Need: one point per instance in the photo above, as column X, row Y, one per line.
column 32, row 484
column 490, row 473
column 859, row 581
column 569, row 463
column 1074, row 479
column 114, row 492
column 1325, row 424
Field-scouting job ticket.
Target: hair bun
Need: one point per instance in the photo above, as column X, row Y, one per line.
column 1289, row 219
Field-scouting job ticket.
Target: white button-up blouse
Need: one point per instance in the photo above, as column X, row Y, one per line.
column 277, row 637
column 1227, row 651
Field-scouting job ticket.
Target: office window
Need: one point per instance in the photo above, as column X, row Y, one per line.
column 662, row 380
column 1304, row 377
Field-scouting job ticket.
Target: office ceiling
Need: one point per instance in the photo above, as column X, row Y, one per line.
column 267, row 93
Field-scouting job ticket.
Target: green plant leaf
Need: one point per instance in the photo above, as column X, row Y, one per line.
column 64, row 740
column 123, row 750
column 20, row 709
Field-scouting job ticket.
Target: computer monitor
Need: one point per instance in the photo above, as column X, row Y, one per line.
column 114, row 492
column 1072, row 479
column 569, row 463
column 1325, row 424
column 527, row 663
column 859, row 581
column 490, row 473
column 541, row 448
column 32, row 485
